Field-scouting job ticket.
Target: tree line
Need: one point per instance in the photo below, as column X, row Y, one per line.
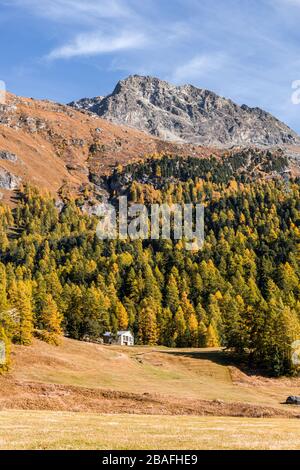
column 241, row 291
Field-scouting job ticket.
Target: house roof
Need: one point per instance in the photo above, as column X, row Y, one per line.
column 119, row 333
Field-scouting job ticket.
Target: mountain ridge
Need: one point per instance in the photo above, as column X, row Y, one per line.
column 66, row 150
column 56, row 147
column 187, row 114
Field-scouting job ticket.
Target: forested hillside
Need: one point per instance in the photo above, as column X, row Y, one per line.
column 242, row 291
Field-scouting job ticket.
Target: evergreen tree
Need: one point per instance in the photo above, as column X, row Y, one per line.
column 4, row 350
column 202, row 335
column 21, row 300
column 147, row 328
column 121, row 315
column 172, row 294
column 193, row 332
column 212, row 340
column 51, row 321
column 180, row 328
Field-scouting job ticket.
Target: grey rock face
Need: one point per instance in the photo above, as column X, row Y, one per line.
column 293, row 401
column 187, row 114
column 8, row 180
column 86, row 103
column 5, row 155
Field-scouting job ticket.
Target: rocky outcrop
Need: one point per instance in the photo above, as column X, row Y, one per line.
column 87, row 103
column 8, row 180
column 8, row 156
column 187, row 114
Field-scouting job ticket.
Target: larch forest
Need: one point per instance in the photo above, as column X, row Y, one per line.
column 240, row 292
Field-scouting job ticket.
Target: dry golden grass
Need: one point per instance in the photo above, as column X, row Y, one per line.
column 182, row 374
column 56, row 430
column 140, row 398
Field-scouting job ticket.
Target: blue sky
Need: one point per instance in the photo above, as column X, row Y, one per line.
column 247, row 50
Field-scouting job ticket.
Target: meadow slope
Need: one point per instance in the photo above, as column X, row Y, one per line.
column 88, row 396
column 79, row 376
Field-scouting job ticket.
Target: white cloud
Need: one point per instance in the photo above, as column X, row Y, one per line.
column 197, row 67
column 290, row 2
column 287, row 7
column 104, row 19
column 75, row 10
column 95, row 43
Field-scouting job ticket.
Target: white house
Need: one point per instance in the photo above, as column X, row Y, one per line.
column 123, row 338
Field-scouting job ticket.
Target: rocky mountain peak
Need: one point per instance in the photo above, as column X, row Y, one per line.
column 86, row 103
column 187, row 114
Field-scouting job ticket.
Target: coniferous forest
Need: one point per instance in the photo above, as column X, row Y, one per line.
column 241, row 291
